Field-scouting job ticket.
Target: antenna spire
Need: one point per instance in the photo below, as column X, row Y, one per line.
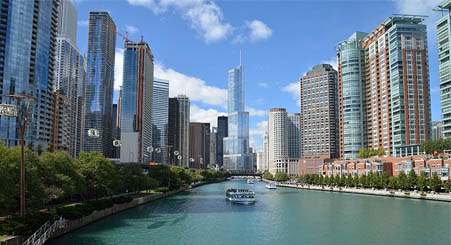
column 240, row 57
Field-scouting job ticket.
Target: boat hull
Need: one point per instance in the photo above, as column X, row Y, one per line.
column 241, row 200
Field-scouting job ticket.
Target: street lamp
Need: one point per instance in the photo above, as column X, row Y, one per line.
column 21, row 114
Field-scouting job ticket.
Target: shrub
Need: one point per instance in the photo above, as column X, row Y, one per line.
column 162, row 189
column 75, row 211
column 423, row 194
column 24, row 225
column 406, row 193
column 101, row 204
column 122, row 199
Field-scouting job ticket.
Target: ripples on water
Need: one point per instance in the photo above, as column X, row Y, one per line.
column 282, row 216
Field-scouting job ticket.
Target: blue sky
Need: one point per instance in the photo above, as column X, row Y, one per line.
column 195, row 43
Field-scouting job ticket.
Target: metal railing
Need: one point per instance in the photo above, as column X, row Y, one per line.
column 45, row 232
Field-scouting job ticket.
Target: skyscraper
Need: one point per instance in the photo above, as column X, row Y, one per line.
column 351, row 96
column 213, row 137
column 437, row 130
column 70, row 77
column 160, row 108
column 395, row 88
column 27, row 61
column 236, row 144
column 220, row 135
column 319, row 114
column 100, row 83
column 199, row 145
column 184, row 130
column 136, row 118
column 173, row 130
column 283, row 141
column 444, row 64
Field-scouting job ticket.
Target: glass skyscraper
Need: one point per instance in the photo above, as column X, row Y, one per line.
column 236, row 145
column 160, row 107
column 221, row 133
column 100, row 83
column 28, row 32
column 70, row 78
column 136, row 115
column 184, row 134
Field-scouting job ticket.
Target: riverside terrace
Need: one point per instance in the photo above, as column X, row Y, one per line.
column 392, row 166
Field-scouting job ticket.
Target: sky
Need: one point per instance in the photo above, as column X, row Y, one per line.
column 196, row 42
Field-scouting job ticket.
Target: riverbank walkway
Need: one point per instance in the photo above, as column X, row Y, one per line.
column 444, row 197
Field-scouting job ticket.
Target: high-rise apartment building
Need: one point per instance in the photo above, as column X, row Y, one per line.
column 160, row 110
column 444, row 64
column 173, row 130
column 395, row 87
column 351, row 96
column 236, row 144
column 437, row 130
column 199, row 145
column 28, row 33
column 184, row 130
column 283, row 138
column 136, row 117
column 100, row 83
column 213, row 136
column 70, row 78
column 116, row 135
column 220, row 135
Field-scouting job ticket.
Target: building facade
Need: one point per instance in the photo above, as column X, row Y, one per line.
column 444, row 64
column 100, row 83
column 236, row 154
column 199, row 141
column 437, row 130
column 173, row 130
column 160, row 112
column 394, row 85
column 220, row 135
column 27, row 66
column 283, row 141
column 136, row 117
column 184, row 130
column 70, row 78
column 350, row 94
column 213, row 136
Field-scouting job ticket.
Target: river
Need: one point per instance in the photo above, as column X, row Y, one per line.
column 282, row 216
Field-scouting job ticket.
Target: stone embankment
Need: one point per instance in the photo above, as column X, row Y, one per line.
column 365, row 191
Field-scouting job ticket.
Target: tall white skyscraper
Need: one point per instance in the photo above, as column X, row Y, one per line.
column 160, row 107
column 283, row 141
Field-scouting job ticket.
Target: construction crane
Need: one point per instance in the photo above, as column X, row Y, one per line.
column 125, row 37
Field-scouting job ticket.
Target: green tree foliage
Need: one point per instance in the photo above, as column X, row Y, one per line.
column 412, row 179
column 403, row 183
column 436, row 183
column 280, row 176
column 267, row 175
column 371, row 152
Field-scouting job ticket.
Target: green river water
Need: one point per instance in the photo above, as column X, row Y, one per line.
column 283, row 216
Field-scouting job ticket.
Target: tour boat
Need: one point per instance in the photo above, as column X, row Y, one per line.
column 250, row 181
column 240, row 195
column 271, row 186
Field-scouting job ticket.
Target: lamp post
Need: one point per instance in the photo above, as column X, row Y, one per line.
column 21, row 114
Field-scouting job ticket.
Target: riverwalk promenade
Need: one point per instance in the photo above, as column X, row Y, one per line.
column 445, row 197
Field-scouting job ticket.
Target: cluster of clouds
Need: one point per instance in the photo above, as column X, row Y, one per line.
column 207, row 18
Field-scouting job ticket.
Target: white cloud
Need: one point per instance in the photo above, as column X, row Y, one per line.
column 118, row 68
column 195, row 88
column 332, row 61
column 198, row 114
column 83, row 23
column 294, row 89
column 416, row 6
column 255, row 112
column 256, row 134
column 258, row 30
column 131, row 29
column 263, row 85
column 204, row 16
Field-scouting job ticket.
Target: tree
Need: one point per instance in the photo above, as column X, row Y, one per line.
column 393, row 182
column 184, row 175
column 99, row 172
column 326, row 180
column 422, row 181
column 412, row 180
column 363, row 153
column 349, row 180
column 362, row 180
column 436, row 183
column 280, row 176
column 132, row 178
column 403, row 184
column 267, row 175
column 381, row 152
column 385, row 180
